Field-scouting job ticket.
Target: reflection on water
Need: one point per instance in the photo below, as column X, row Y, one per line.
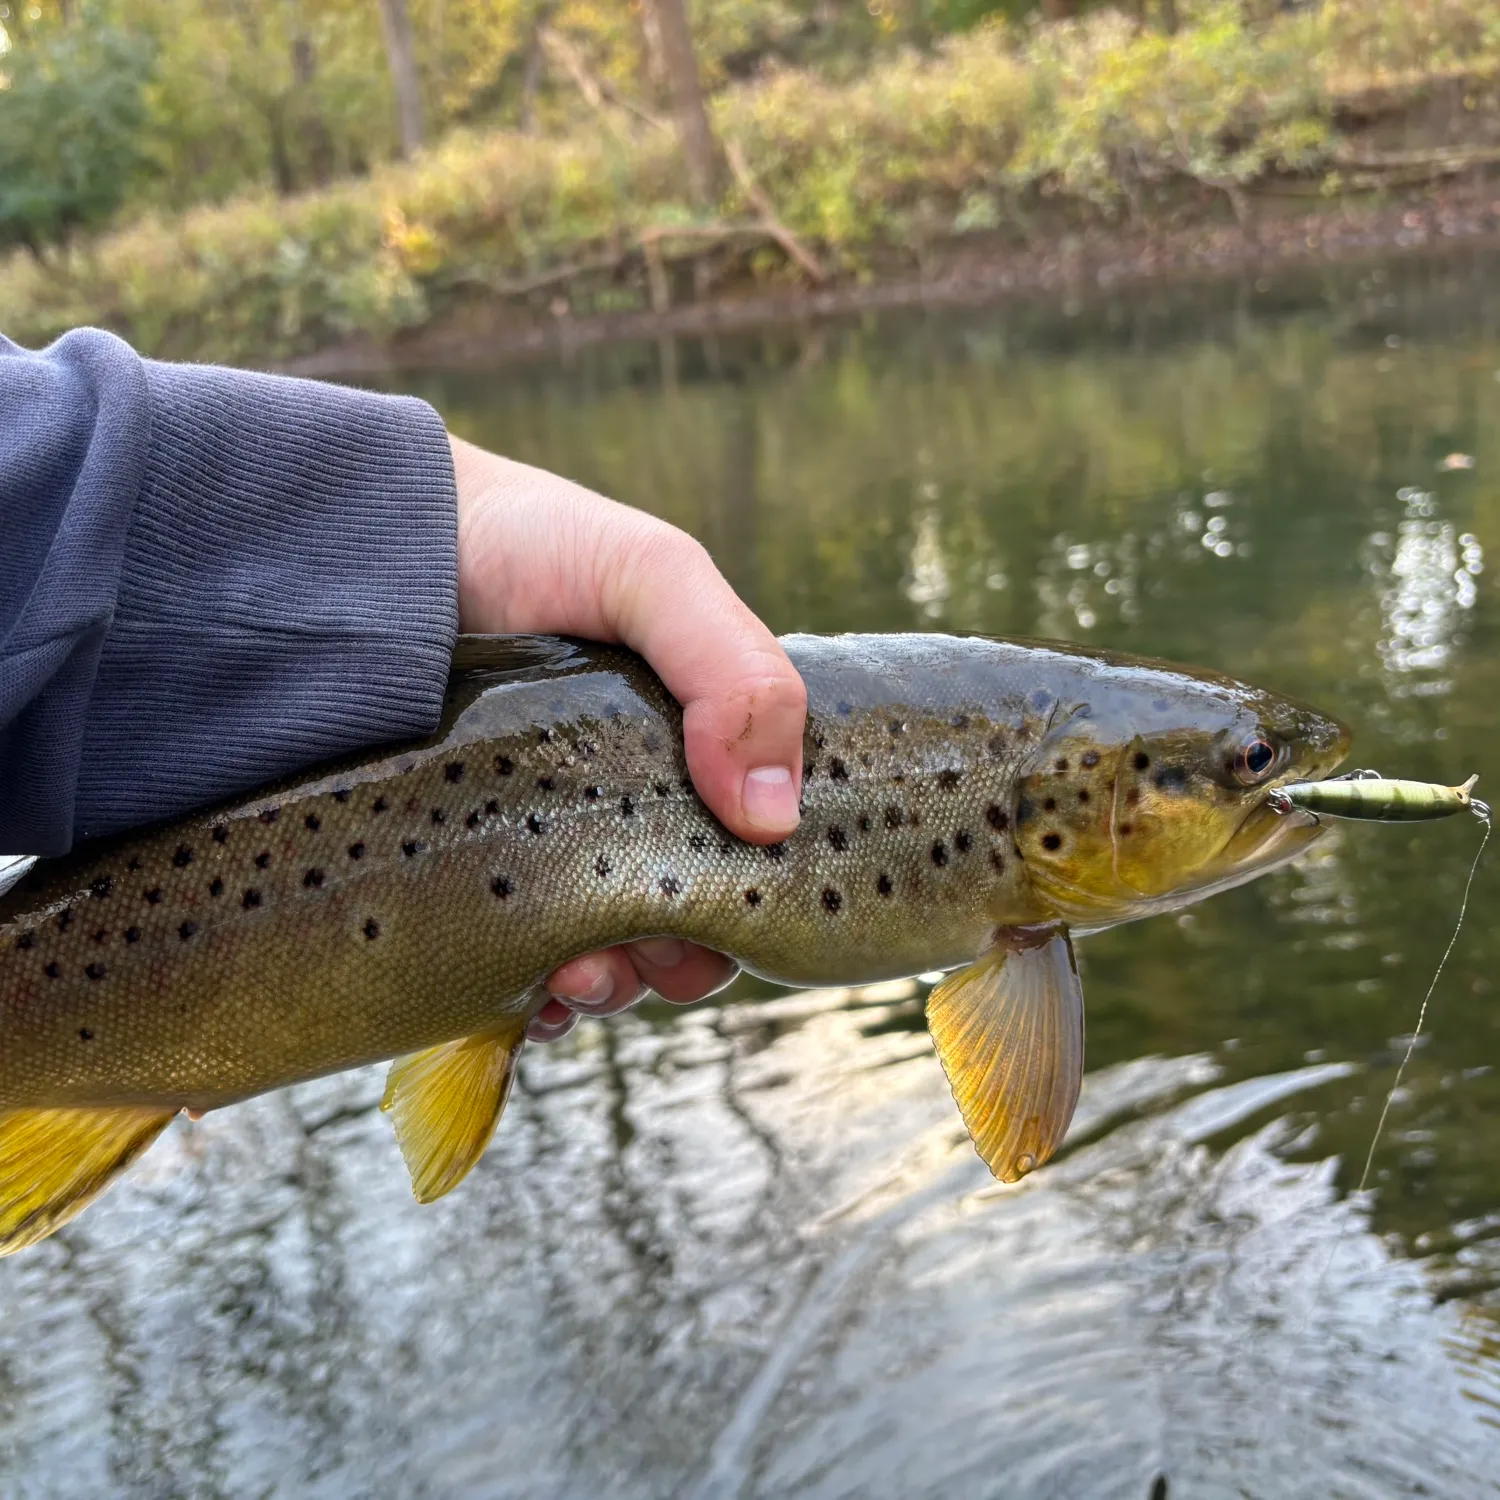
column 745, row 1254
column 745, row 1251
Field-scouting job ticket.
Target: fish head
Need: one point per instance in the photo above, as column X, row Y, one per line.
column 1148, row 790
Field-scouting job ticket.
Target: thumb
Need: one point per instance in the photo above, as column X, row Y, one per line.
column 744, row 706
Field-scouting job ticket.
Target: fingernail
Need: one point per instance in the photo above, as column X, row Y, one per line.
column 588, row 996
column 665, row 953
column 770, row 798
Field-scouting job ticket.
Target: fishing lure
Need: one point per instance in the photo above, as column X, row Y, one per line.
column 1370, row 796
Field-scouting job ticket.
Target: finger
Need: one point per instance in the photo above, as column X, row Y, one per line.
column 552, row 1021
column 537, row 553
column 597, row 984
column 681, row 972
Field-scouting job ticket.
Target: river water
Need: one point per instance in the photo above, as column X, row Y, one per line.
column 745, row 1250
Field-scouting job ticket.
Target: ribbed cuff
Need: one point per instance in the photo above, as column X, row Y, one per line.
column 289, row 591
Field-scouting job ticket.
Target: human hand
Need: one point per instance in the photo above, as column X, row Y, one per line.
column 539, row 553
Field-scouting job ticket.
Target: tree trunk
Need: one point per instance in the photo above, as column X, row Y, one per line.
column 693, row 130
column 401, row 52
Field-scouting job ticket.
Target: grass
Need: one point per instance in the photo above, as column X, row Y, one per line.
column 1092, row 117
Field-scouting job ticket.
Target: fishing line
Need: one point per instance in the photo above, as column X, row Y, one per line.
column 1482, row 812
column 1411, row 1046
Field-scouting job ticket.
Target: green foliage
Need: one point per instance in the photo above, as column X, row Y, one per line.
column 72, row 108
column 978, row 135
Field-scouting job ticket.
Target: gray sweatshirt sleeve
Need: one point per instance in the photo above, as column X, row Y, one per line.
column 207, row 579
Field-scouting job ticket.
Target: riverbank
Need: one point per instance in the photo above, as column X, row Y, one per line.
column 1007, row 160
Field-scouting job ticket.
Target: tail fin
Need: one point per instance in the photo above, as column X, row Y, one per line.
column 55, row 1162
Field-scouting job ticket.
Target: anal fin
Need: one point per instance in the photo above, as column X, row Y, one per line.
column 55, row 1162
column 445, row 1103
column 1009, row 1032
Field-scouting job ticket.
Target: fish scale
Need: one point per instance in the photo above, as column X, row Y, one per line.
column 954, row 791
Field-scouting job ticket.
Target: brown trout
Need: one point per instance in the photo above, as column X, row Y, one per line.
column 967, row 804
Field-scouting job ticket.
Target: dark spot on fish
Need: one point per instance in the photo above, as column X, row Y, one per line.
column 1083, row 795
column 602, row 867
column 1049, row 804
column 357, row 849
column 899, row 778
column 65, row 919
column 587, row 749
column 997, row 817
column 837, row 770
column 379, row 805
column 94, row 971
column 313, row 879
column 220, row 836
column 372, row 929
column 844, row 710
column 216, row 887
column 697, row 841
column 135, row 863
column 102, row 935
column 1142, row 761
column 453, row 771
column 914, row 818
column 1041, row 700
column 894, row 816
column 84, row 1034
column 775, row 852
column 962, row 841
column 1061, row 763
column 996, row 745
column 1171, row 778
column 883, row 885
column 491, row 807
column 669, row 886
column 251, row 899
column 1127, row 829
column 271, row 814
column 187, row 930
column 342, row 794
column 896, row 727
column 545, row 782
column 153, row 896
column 502, row 886
column 1161, row 705
column 593, row 793
column 52, row 971
column 26, row 940
column 838, row 839
column 752, row 897
column 949, row 779
column 1052, row 841
column 1090, row 759
column 101, row 887
column 312, row 822
column 997, row 861
column 263, row 859
column 504, row 764
column 411, row 848
column 183, row 858
column 439, row 816
column 132, row 934
column 546, row 737
column 627, row 807
column 831, row 899
column 940, row 854
column 1025, row 809
column 473, row 820
column 535, row 824
column 865, row 825
column 959, row 721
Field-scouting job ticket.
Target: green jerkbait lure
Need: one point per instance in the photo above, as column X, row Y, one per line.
column 1367, row 796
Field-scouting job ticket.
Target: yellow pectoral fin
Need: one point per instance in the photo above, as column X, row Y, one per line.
column 1009, row 1032
column 55, row 1162
column 445, row 1103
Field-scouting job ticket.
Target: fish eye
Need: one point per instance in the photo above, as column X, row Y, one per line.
column 1254, row 761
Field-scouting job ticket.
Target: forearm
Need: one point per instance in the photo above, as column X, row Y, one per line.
column 216, row 577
